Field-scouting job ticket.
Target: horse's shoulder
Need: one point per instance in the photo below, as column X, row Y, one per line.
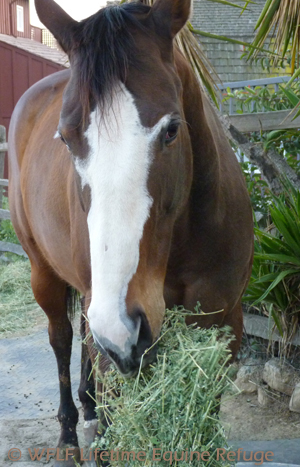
column 32, row 104
column 53, row 83
column 41, row 94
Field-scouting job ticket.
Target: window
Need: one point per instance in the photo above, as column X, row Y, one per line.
column 20, row 18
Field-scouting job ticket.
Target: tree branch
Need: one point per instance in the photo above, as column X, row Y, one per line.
column 273, row 167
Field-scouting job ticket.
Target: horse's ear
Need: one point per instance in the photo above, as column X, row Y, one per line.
column 57, row 21
column 171, row 15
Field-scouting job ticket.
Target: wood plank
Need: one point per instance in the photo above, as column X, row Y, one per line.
column 2, row 156
column 261, row 326
column 264, row 121
column 12, row 248
column 4, row 214
column 254, row 82
column 3, row 147
column 3, row 182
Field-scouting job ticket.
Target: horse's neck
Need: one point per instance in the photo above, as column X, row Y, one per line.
column 203, row 129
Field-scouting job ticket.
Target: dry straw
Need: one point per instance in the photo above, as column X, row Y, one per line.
column 172, row 405
column 17, row 303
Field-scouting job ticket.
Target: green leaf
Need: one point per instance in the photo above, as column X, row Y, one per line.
column 276, row 281
column 225, row 38
column 265, row 26
column 274, row 136
column 296, row 115
column 292, row 97
column 224, row 2
column 263, row 13
column 250, row 90
column 288, row 229
column 277, row 322
column 295, row 76
column 278, row 257
column 273, row 243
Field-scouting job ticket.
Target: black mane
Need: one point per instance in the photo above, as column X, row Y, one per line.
column 104, row 47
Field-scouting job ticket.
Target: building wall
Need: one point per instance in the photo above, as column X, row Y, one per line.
column 5, row 23
column 19, row 70
column 224, row 20
column 8, row 18
column 36, row 34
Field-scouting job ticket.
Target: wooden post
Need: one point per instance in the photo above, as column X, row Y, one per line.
column 2, row 159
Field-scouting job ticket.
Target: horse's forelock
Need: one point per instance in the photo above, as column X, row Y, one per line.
column 104, row 47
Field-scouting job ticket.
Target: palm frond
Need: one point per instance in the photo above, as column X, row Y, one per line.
column 279, row 22
column 225, row 2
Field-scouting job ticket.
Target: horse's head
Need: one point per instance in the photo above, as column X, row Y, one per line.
column 122, row 120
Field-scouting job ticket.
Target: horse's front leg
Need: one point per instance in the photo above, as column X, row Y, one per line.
column 88, row 391
column 51, row 294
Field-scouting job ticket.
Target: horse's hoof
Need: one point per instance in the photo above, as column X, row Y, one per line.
column 65, row 456
column 90, row 429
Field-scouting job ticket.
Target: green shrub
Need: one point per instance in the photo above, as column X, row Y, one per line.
column 258, row 190
column 274, row 283
column 7, row 233
column 264, row 99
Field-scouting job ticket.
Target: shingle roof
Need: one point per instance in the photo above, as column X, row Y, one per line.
column 226, row 20
column 37, row 48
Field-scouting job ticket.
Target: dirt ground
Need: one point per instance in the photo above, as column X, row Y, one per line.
column 241, row 415
column 245, row 420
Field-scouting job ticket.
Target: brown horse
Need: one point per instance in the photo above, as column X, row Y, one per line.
column 123, row 186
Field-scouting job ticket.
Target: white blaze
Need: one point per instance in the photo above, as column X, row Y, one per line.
column 116, row 170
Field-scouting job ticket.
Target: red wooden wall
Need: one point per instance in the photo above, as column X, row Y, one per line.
column 8, row 18
column 19, row 69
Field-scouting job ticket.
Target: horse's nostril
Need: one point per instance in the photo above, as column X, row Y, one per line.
column 128, row 358
column 145, row 335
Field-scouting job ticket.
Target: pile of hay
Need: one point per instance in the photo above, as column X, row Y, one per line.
column 17, row 302
column 173, row 404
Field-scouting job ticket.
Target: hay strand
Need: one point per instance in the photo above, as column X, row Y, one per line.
column 173, row 404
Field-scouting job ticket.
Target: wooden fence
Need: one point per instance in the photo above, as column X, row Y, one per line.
column 4, row 213
column 257, row 121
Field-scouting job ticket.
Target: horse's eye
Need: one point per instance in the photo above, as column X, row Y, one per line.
column 172, row 132
column 64, row 141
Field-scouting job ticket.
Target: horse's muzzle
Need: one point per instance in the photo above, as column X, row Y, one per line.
column 141, row 353
column 129, row 367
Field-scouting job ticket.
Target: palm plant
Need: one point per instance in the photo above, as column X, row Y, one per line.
column 280, row 22
column 274, row 283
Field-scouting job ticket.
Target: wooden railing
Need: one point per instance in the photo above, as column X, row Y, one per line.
column 4, row 213
column 257, row 121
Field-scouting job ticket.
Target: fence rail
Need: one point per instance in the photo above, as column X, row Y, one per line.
column 236, row 85
column 3, row 147
column 257, row 121
column 265, row 121
column 4, row 213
